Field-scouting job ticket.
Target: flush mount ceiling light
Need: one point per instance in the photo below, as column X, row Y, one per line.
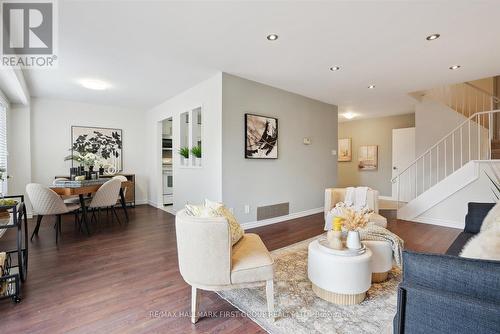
column 349, row 115
column 94, row 84
column 371, row 86
column 272, row 37
column 454, row 67
column 334, row 68
column 433, row 37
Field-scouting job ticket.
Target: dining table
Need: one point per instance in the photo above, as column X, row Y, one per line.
column 83, row 189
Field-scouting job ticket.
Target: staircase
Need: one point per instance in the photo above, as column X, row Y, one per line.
column 495, row 149
column 457, row 160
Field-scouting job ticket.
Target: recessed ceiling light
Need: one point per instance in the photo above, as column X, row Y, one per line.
column 454, row 67
column 371, row 86
column 432, row 37
column 272, row 37
column 94, row 84
column 334, row 68
column 349, row 115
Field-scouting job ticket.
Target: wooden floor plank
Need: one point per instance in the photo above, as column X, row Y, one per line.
column 125, row 278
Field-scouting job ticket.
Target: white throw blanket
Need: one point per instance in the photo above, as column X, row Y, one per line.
column 375, row 232
column 356, row 197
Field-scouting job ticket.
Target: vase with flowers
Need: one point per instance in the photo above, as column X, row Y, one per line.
column 353, row 221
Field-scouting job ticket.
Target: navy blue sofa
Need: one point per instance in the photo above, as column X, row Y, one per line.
column 447, row 293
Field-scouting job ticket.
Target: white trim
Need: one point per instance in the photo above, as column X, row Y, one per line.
column 152, row 203
column 439, row 222
column 280, row 219
column 141, row 202
column 387, row 198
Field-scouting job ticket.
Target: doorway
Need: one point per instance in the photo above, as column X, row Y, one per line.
column 167, row 165
column 403, row 154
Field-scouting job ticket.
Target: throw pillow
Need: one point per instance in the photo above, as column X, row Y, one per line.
column 200, row 211
column 234, row 227
column 491, row 218
column 485, row 245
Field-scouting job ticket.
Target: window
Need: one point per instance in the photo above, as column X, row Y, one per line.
column 3, row 145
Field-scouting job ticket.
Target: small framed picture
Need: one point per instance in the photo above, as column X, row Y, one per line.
column 345, row 151
column 368, row 157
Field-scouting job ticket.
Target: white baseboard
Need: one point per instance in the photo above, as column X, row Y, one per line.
column 280, row 219
column 141, row 202
column 152, row 203
column 439, row 222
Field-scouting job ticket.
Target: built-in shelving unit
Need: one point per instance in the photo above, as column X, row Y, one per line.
column 191, row 134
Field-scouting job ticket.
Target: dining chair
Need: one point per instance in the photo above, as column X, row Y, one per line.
column 46, row 202
column 67, row 199
column 122, row 179
column 105, row 197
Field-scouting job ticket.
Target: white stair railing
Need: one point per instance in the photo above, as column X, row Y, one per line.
column 471, row 140
column 464, row 98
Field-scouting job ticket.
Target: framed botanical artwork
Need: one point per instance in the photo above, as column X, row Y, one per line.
column 104, row 143
column 368, row 157
column 345, row 152
column 261, row 137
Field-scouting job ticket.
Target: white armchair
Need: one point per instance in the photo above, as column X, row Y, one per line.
column 208, row 262
column 335, row 195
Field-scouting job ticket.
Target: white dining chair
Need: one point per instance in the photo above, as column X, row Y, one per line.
column 67, row 199
column 105, row 197
column 46, row 202
column 125, row 188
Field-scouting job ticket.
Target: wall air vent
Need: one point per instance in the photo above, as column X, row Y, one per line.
column 272, row 211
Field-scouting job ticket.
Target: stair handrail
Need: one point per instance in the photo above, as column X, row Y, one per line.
column 443, row 139
column 495, row 99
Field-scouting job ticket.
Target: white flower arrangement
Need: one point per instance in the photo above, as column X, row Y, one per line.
column 355, row 220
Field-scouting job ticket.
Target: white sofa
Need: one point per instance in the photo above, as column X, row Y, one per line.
column 335, row 195
column 207, row 260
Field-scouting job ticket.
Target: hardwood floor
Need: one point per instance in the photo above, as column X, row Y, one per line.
column 125, row 279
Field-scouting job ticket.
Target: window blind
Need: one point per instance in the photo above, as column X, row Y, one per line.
column 3, row 144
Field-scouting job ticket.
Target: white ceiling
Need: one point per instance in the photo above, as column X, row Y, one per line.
column 150, row 51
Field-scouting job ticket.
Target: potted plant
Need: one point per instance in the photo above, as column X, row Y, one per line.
column 184, row 153
column 196, row 150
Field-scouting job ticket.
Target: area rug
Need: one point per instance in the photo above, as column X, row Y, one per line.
column 299, row 310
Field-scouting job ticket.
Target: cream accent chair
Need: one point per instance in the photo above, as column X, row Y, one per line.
column 208, row 262
column 105, row 197
column 335, row 195
column 47, row 202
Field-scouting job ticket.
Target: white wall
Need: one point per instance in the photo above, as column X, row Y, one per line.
column 451, row 211
column 51, row 122
column 433, row 121
column 191, row 185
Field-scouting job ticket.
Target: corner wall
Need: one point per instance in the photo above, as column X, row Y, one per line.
column 301, row 173
column 191, row 185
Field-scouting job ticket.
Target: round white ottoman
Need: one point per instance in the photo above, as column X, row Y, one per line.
column 339, row 279
column 381, row 259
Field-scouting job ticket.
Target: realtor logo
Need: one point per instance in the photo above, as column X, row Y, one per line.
column 28, row 33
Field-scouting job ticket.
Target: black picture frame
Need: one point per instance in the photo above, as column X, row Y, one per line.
column 272, row 147
column 91, row 129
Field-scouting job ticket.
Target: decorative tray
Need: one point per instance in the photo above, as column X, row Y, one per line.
column 323, row 243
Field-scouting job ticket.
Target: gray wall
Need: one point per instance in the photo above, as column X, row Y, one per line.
column 301, row 172
column 374, row 131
